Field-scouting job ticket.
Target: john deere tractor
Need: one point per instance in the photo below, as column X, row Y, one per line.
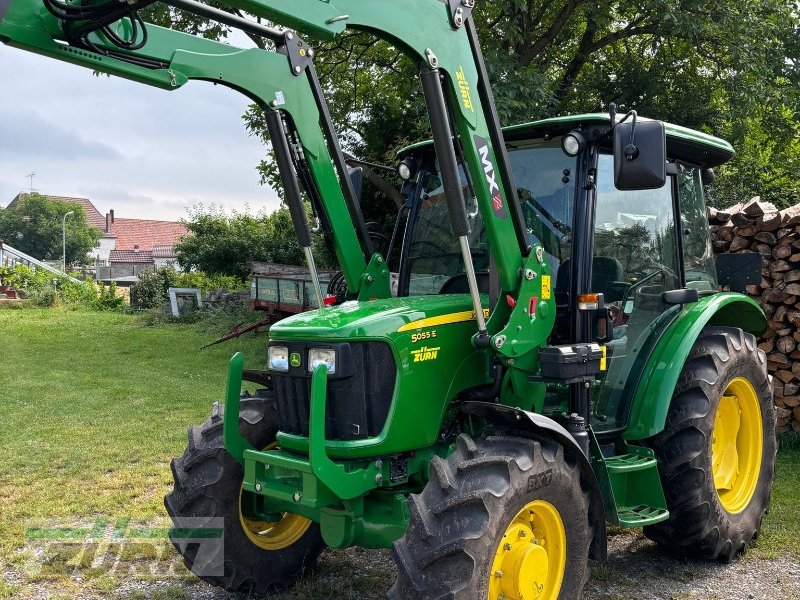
column 548, row 354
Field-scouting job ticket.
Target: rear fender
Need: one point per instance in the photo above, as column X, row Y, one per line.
column 533, row 425
column 659, row 377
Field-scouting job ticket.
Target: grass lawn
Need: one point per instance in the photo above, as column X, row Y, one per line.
column 96, row 404
column 94, row 407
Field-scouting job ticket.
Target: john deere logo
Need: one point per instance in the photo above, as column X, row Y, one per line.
column 294, row 359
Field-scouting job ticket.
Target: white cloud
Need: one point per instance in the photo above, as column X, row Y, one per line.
column 142, row 151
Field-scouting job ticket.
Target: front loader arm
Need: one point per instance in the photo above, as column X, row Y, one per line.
column 440, row 36
column 170, row 59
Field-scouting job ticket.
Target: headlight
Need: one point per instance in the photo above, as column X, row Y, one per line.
column 278, row 358
column 573, row 143
column 320, row 356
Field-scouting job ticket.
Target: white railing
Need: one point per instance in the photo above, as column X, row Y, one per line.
column 11, row 257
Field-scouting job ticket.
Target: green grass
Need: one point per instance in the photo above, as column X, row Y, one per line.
column 94, row 407
column 781, row 532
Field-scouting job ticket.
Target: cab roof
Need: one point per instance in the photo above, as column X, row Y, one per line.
column 694, row 147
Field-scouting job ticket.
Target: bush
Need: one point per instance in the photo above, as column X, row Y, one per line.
column 39, row 287
column 108, row 299
column 152, row 289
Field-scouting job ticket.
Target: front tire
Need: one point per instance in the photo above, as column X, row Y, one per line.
column 258, row 557
column 501, row 517
column 716, row 455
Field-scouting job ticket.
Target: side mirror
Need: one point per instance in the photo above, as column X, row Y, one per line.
column 707, row 176
column 640, row 155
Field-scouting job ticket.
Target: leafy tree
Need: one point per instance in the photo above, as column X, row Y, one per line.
column 33, row 226
column 725, row 67
column 226, row 245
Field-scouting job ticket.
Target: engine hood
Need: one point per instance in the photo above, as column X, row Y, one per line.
column 376, row 318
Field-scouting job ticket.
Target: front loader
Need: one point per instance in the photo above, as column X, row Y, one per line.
column 557, row 355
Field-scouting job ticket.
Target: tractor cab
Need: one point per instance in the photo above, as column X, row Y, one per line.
column 629, row 246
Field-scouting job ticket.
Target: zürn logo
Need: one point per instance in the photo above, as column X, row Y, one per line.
column 294, row 359
column 491, row 177
column 425, row 353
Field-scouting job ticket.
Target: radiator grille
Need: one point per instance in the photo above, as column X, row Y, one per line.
column 356, row 407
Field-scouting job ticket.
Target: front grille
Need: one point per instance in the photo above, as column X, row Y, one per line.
column 357, row 406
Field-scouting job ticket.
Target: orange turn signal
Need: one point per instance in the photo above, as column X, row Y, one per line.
column 588, row 301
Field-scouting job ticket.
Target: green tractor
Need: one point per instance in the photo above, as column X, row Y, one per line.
column 542, row 350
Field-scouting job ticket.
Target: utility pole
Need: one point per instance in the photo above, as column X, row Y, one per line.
column 31, row 175
column 64, row 241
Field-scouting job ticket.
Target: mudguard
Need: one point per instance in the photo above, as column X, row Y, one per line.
column 529, row 424
column 659, row 377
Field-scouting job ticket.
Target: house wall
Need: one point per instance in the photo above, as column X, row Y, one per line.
column 104, row 248
column 167, row 262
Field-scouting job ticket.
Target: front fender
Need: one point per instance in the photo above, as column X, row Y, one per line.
column 659, row 377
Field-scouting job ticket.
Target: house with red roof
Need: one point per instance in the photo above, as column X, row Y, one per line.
column 126, row 246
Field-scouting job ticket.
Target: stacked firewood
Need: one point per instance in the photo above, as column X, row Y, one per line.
column 757, row 226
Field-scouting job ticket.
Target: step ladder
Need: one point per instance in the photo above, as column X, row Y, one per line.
column 636, row 488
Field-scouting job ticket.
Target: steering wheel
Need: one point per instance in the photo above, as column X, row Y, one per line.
column 662, row 270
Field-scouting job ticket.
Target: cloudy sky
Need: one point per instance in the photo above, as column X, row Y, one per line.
column 145, row 152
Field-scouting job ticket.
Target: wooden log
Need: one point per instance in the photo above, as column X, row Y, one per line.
column 791, row 389
column 786, row 345
column 756, row 208
column 792, row 401
column 796, row 413
column 771, row 223
column 779, row 360
column 766, row 237
column 793, row 289
column 720, row 246
column 739, row 243
column 747, row 232
column 796, row 425
column 779, row 315
column 795, row 258
column 777, row 266
column 782, row 251
column 792, row 276
column 767, row 346
column 764, row 249
column 783, row 413
column 725, row 232
column 791, row 215
column 784, row 375
column 774, row 296
column 741, row 220
column 795, row 370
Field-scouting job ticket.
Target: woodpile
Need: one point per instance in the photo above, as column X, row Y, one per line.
column 757, row 226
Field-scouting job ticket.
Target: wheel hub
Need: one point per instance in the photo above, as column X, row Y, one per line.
column 737, row 445
column 530, row 560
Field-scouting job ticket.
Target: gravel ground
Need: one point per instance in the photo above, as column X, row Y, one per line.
column 636, row 570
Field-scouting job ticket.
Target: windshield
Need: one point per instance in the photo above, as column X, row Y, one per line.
column 545, row 182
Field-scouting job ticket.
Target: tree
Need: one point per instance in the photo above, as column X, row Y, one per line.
column 725, row 67
column 226, row 245
column 33, row 225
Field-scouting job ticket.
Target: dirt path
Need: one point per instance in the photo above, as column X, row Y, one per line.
column 636, row 570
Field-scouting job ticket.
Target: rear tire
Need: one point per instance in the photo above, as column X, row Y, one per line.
column 208, row 484
column 464, row 542
column 707, row 522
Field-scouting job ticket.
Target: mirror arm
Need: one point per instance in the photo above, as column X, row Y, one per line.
column 612, row 113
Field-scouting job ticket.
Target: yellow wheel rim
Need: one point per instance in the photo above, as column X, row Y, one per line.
column 273, row 536
column 530, row 560
column 736, row 445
